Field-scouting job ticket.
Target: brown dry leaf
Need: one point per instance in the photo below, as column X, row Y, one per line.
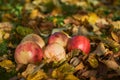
column 37, row 2
column 117, row 55
column 6, row 26
column 79, row 66
column 83, row 31
column 110, row 42
column 75, row 30
column 70, row 20
column 100, row 50
column 114, row 36
column 112, row 65
column 7, row 64
column 102, row 69
column 28, row 70
column 89, row 73
column 74, row 61
column 80, row 17
column 101, row 22
column 56, row 11
column 116, row 25
column 7, row 17
column 80, row 3
column 93, row 78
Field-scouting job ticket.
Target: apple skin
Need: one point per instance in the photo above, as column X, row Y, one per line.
column 35, row 38
column 54, row 52
column 58, row 37
column 79, row 42
column 28, row 52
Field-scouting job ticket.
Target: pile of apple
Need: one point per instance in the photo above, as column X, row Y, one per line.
column 33, row 49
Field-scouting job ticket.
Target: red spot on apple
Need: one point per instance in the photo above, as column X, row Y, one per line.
column 79, row 42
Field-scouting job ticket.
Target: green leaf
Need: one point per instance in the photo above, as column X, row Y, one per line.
column 4, row 75
column 3, row 47
column 66, row 68
column 64, row 71
column 23, row 31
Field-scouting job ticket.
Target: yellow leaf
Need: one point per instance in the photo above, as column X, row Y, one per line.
column 80, row 17
column 92, row 18
column 7, row 64
column 1, row 35
column 40, row 75
column 34, row 13
column 55, row 20
column 56, row 11
column 57, row 74
column 93, row 61
column 71, row 77
column 63, row 70
column 114, row 36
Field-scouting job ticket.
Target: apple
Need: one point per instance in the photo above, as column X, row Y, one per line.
column 28, row 52
column 58, row 37
column 35, row 38
column 54, row 52
column 79, row 42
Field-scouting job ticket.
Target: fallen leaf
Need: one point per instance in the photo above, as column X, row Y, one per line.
column 89, row 73
column 116, row 25
column 114, row 36
column 40, row 75
column 93, row 61
column 34, row 13
column 79, row 66
column 70, row 77
column 28, row 70
column 7, row 64
column 1, row 35
column 6, row 26
column 100, row 50
column 112, row 65
column 80, row 17
column 92, row 18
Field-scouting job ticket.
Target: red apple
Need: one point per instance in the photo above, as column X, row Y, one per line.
column 35, row 38
column 58, row 37
column 79, row 42
column 54, row 52
column 28, row 52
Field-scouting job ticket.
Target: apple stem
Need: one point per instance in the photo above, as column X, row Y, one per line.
column 19, row 66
